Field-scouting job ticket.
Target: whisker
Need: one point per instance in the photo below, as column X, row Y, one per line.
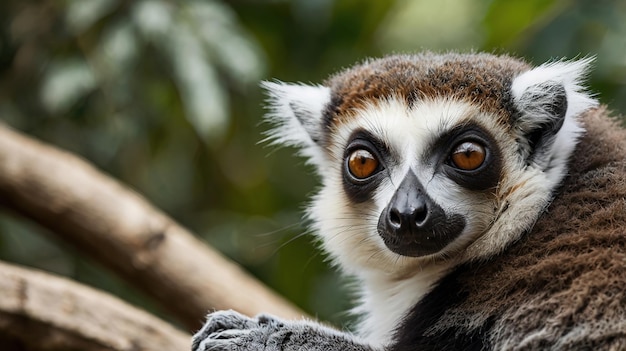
column 276, row 231
column 291, row 240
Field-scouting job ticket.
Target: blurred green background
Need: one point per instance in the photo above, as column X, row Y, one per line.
column 163, row 95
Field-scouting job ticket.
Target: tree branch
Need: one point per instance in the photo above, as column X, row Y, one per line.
column 121, row 230
column 51, row 313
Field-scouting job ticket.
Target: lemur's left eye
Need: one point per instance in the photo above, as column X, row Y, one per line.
column 468, row 156
column 362, row 163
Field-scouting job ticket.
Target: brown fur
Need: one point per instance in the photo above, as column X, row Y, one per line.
column 570, row 270
column 426, row 75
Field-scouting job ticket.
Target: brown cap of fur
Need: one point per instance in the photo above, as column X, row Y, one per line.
column 483, row 79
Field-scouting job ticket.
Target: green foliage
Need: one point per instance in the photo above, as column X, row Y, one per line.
column 163, row 95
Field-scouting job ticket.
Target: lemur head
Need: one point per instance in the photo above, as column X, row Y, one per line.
column 429, row 157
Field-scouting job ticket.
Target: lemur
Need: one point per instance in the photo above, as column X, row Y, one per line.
column 480, row 202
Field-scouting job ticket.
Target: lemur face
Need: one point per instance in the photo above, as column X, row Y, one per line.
column 426, row 158
column 422, row 169
column 407, row 183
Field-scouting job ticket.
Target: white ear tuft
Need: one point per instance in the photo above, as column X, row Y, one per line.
column 549, row 99
column 568, row 74
column 297, row 113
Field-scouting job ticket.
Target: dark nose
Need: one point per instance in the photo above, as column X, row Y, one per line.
column 408, row 209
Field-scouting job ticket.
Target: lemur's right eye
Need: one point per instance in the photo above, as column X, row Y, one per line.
column 362, row 164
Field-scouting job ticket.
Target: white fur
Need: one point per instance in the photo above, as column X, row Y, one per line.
column 294, row 130
column 383, row 301
column 569, row 74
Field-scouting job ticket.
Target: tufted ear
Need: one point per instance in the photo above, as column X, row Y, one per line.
column 297, row 113
column 548, row 99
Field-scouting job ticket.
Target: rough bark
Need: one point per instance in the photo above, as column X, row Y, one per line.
column 45, row 312
column 117, row 227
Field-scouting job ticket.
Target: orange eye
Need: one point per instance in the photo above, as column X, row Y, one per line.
column 468, row 156
column 362, row 164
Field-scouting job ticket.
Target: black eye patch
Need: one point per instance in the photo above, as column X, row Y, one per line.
column 485, row 176
column 360, row 189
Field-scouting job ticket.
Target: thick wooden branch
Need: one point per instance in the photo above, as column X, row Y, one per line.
column 120, row 229
column 46, row 312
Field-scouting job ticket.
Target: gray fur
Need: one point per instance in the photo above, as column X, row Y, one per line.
column 232, row 331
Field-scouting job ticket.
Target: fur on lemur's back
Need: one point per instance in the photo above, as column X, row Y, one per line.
column 560, row 284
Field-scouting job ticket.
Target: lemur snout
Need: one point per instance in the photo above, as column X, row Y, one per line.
column 413, row 224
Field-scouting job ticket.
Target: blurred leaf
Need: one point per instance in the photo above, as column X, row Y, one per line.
column 81, row 14
column 154, row 19
column 65, row 82
column 115, row 57
column 208, row 35
column 203, row 95
column 239, row 56
column 118, row 49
